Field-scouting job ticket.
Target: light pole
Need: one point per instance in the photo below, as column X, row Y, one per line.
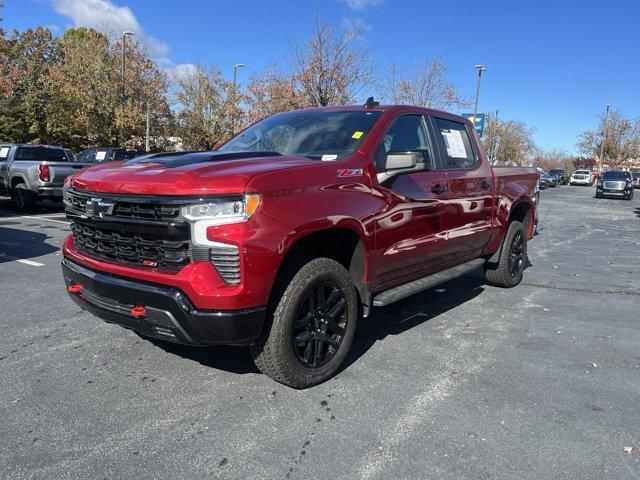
column 604, row 133
column 125, row 34
column 233, row 117
column 475, row 108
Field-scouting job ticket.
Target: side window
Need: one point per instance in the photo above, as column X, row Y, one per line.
column 407, row 134
column 457, row 144
column 4, row 153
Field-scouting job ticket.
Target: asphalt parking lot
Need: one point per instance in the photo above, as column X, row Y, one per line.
column 465, row 381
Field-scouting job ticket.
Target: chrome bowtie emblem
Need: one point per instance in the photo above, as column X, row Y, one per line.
column 96, row 206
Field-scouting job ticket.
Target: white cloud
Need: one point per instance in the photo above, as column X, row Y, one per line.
column 177, row 71
column 362, row 4
column 104, row 15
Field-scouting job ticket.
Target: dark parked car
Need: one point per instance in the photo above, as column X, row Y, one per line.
column 551, row 180
column 559, row 174
column 615, row 183
column 103, row 155
column 636, row 179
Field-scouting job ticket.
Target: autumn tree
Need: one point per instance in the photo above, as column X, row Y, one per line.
column 269, row 93
column 25, row 60
column 205, row 107
column 424, row 85
column 331, row 67
column 508, row 142
column 621, row 138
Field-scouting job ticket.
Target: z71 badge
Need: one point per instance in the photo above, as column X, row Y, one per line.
column 349, row 172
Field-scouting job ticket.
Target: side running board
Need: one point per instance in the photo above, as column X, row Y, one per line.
column 403, row 291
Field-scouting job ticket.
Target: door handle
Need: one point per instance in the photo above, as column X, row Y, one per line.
column 485, row 185
column 438, row 189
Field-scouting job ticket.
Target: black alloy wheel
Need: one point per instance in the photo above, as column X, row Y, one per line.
column 516, row 255
column 320, row 324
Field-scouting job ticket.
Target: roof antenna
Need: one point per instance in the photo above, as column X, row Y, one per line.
column 371, row 103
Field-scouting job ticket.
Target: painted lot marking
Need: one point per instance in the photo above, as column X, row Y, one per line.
column 22, row 260
column 37, row 217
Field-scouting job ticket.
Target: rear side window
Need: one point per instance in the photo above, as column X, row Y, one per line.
column 456, row 143
column 40, row 154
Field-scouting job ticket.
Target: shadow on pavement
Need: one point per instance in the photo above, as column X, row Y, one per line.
column 8, row 208
column 395, row 319
column 16, row 244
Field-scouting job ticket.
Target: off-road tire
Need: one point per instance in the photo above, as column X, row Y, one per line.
column 497, row 274
column 273, row 352
column 24, row 199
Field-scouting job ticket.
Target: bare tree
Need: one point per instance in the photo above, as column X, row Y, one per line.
column 424, row 85
column 621, row 140
column 205, row 110
column 331, row 67
column 508, row 142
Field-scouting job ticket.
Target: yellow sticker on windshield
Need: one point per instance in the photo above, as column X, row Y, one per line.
column 357, row 134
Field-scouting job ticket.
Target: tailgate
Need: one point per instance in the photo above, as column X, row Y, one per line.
column 59, row 171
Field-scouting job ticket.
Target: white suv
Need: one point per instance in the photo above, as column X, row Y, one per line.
column 581, row 177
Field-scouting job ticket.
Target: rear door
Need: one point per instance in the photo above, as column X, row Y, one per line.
column 469, row 181
column 411, row 227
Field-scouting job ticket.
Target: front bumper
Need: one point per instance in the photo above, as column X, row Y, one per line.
column 618, row 193
column 169, row 313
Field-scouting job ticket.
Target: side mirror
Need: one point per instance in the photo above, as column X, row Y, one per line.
column 400, row 161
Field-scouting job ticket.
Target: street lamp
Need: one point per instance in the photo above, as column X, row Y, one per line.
column 233, row 115
column 475, row 108
column 604, row 132
column 124, row 41
column 125, row 34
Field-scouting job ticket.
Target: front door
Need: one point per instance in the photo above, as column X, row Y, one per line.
column 411, row 223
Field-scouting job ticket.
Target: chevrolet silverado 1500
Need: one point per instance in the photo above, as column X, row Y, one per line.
column 285, row 235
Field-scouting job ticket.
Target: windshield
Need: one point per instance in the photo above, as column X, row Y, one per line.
column 581, row 172
column 616, row 175
column 319, row 135
column 556, row 172
column 41, row 153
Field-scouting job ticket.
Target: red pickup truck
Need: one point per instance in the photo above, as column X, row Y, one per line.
column 281, row 238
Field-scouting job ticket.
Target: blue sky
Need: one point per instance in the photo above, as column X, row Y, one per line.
column 552, row 64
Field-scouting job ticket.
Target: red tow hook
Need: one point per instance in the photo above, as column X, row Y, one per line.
column 75, row 288
column 139, row 311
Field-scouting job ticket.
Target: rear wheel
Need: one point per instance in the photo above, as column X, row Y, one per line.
column 510, row 267
column 24, row 199
column 312, row 325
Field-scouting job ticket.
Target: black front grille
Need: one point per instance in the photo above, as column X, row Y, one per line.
column 140, row 249
column 126, row 208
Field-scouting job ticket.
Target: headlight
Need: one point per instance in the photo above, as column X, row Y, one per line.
column 224, row 211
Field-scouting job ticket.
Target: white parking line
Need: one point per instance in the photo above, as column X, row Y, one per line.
column 22, row 260
column 34, row 217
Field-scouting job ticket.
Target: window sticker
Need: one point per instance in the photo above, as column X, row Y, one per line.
column 101, row 155
column 455, row 144
column 4, row 151
column 357, row 134
column 328, row 157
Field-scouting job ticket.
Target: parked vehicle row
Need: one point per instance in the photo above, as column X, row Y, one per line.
column 29, row 173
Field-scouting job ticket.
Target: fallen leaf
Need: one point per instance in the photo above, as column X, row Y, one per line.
column 594, row 364
column 18, row 399
column 466, row 325
column 628, row 450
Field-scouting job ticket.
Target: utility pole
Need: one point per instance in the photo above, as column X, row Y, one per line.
column 475, row 108
column 604, row 134
column 146, row 143
column 125, row 34
column 235, row 96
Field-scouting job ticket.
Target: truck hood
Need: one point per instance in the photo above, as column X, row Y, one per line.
column 190, row 173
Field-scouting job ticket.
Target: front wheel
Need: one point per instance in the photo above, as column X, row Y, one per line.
column 510, row 267
column 312, row 325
